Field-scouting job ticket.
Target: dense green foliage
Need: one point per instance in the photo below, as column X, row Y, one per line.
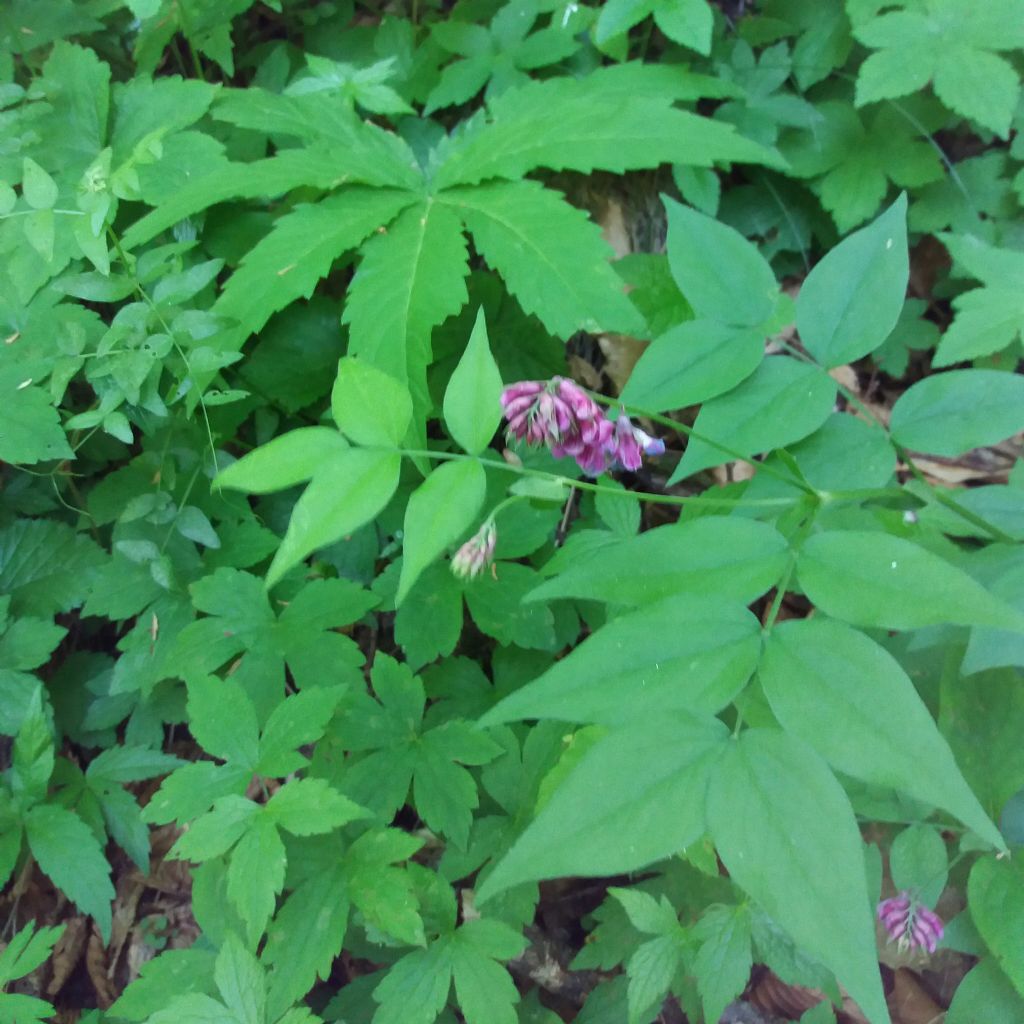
column 265, row 270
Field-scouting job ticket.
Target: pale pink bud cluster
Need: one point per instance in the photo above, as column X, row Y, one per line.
column 559, row 414
column 910, row 924
column 477, row 553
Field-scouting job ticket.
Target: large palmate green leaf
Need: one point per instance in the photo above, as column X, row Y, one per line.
column 346, row 492
column 782, row 401
column 636, row 796
column 301, row 246
column 719, row 555
column 850, row 302
column 849, row 699
column 686, row 653
column 875, row 579
column 786, row 832
column 411, row 278
column 637, row 127
column 951, row 413
column 551, row 256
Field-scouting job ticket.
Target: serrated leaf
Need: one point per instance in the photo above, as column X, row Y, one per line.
column 552, row 258
column 288, row 459
column 851, row 300
column 240, row 981
column 129, row 764
column 26, row 950
column 215, row 832
column 786, row 833
column 68, row 853
column 223, row 720
column 638, row 127
column 307, row 807
column 299, row 250
column 609, row 816
column 849, row 699
column 370, row 405
column 411, row 278
column 255, row 875
column 415, row 989
column 299, row 719
column 723, row 962
column 305, row 937
column 344, row 494
column 440, row 511
column 30, row 428
column 472, row 409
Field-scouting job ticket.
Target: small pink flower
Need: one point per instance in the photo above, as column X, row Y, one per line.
column 909, row 923
column 631, row 444
column 477, row 553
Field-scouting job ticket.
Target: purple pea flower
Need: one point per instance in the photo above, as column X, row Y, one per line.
column 477, row 553
column 561, row 415
column 909, row 923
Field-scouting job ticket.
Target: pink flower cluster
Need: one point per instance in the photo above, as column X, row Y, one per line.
column 559, row 414
column 910, row 923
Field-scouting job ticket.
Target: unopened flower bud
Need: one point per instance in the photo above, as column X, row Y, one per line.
column 477, row 553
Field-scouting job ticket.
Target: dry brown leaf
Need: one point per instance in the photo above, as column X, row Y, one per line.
column 909, row 1003
column 96, row 965
column 66, row 953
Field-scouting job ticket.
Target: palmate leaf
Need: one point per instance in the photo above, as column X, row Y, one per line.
column 411, row 278
column 599, row 122
column 300, row 249
column 550, row 254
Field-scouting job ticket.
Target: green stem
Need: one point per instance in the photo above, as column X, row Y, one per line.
column 794, row 554
column 935, row 494
column 144, row 295
column 695, row 435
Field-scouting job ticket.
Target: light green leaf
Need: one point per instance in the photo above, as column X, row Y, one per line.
column 995, row 893
column 712, row 555
column 38, row 188
column 692, row 363
column 308, row 807
column 30, row 429
column 687, row 22
column 285, row 461
column 26, row 950
column 415, row 989
column 240, row 981
column 786, row 833
column 849, row 698
column 70, row 856
column 619, row 16
column 223, row 720
column 642, row 664
column 256, row 875
column 722, row 275
column 215, row 832
column 369, row 405
column 411, row 278
column 986, row 994
column 299, row 719
column 723, row 963
column 439, row 512
column 305, row 937
column 651, row 970
column 472, row 400
column 874, row 579
column 781, row 402
column 919, row 863
column 347, row 491
column 299, row 250
column 552, row 258
column 850, row 301
column 634, row 798
column 950, row 413
column 485, row 990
